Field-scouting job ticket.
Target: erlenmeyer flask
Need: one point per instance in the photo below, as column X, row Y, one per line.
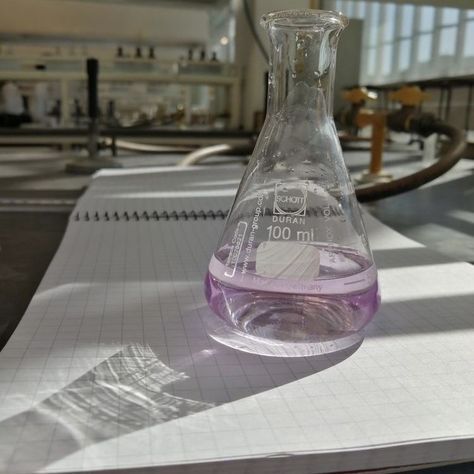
column 293, row 274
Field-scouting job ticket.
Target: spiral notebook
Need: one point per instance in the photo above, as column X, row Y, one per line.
column 197, row 192
column 111, row 367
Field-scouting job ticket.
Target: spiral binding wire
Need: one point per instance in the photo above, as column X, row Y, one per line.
column 106, row 216
column 109, row 216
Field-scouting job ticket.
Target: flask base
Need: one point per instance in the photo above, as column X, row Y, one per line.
column 279, row 325
column 231, row 336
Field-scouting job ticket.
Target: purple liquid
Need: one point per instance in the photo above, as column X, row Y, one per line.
column 308, row 323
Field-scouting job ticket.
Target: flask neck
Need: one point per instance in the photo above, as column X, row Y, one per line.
column 303, row 55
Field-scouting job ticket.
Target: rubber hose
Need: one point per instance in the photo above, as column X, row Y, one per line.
column 378, row 191
column 214, row 150
column 401, row 185
column 145, row 148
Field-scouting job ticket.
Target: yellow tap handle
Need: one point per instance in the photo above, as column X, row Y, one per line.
column 359, row 94
column 409, row 95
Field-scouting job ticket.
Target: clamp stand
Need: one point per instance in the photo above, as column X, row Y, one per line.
column 94, row 161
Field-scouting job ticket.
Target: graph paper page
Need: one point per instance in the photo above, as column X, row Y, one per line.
column 111, row 367
column 162, row 189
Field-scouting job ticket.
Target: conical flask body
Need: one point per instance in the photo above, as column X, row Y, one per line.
column 293, row 274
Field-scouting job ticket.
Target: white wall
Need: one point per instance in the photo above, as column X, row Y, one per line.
column 249, row 56
column 348, row 61
column 125, row 22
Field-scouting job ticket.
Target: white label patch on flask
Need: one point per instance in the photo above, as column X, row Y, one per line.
column 293, row 260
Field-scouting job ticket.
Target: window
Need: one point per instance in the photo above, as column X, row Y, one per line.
column 427, row 16
column 371, row 59
column 389, row 23
column 449, row 16
column 360, row 10
column 447, row 41
column 374, row 23
column 349, row 8
column 388, row 38
column 387, row 54
column 409, row 42
column 425, row 43
column 448, row 32
column 407, row 16
column 426, row 25
column 469, row 40
column 404, row 54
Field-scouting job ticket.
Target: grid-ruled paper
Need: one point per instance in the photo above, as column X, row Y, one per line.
column 111, row 367
column 198, row 188
column 172, row 188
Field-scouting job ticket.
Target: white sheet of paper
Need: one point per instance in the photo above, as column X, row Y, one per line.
column 111, row 367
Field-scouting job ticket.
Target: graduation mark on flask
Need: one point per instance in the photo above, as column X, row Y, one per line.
column 276, row 232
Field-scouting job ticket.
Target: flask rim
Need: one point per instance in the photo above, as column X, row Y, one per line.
column 303, row 18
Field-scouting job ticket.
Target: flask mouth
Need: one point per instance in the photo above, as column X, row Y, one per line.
column 306, row 19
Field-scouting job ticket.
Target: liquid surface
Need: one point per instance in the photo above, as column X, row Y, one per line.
column 294, row 323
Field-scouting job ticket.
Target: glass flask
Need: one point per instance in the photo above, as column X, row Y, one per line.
column 293, row 274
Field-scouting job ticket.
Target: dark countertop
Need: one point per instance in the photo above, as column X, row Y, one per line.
column 28, row 243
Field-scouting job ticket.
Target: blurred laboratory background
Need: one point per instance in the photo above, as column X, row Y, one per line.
column 200, row 65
